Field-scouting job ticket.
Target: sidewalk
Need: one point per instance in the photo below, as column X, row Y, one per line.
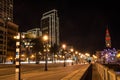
column 55, row 73
column 95, row 73
column 74, row 72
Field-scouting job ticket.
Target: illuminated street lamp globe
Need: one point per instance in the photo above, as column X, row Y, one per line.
column 71, row 49
column 63, row 46
column 45, row 38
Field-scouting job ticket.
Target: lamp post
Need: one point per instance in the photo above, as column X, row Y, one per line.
column 64, row 47
column 18, row 57
column 45, row 39
column 71, row 50
column 76, row 56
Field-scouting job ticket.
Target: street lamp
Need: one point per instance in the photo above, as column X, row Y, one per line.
column 45, row 39
column 76, row 56
column 71, row 50
column 64, row 47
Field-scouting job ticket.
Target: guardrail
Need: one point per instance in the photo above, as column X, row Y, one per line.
column 107, row 73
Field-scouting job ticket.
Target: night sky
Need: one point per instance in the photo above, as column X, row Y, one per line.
column 82, row 24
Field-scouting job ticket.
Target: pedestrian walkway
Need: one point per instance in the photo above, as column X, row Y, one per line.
column 95, row 73
column 53, row 73
column 74, row 72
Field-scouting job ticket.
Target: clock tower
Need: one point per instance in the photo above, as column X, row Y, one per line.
column 107, row 39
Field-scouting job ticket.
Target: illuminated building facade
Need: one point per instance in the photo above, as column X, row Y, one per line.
column 7, row 48
column 50, row 26
column 27, row 45
column 6, row 10
column 33, row 33
column 7, row 31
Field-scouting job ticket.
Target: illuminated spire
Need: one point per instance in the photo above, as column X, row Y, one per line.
column 108, row 39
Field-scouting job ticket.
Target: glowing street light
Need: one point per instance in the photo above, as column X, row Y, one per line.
column 45, row 40
column 64, row 47
column 71, row 50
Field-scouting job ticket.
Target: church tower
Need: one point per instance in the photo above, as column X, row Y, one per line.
column 107, row 39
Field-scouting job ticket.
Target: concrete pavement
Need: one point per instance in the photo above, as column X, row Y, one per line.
column 52, row 74
column 74, row 72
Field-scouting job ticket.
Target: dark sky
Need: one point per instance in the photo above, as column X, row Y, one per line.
column 82, row 24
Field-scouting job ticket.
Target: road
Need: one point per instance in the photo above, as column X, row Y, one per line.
column 6, row 69
column 36, row 72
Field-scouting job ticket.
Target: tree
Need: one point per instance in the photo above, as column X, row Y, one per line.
column 54, row 49
column 37, row 47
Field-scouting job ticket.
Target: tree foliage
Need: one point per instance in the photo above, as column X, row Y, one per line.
column 37, row 45
column 54, row 49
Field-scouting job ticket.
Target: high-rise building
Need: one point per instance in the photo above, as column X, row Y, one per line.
column 6, row 10
column 50, row 26
column 108, row 39
column 8, row 30
column 7, row 47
